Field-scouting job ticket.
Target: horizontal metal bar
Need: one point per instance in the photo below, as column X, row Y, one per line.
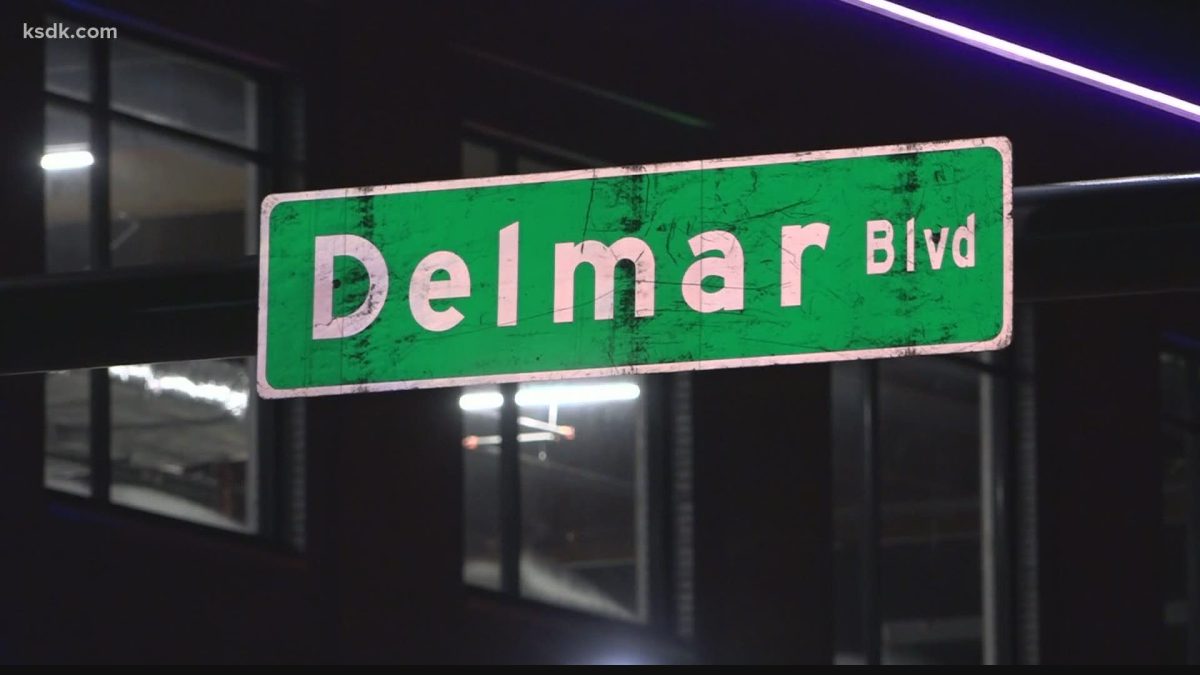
column 96, row 319
column 1033, row 194
column 118, row 275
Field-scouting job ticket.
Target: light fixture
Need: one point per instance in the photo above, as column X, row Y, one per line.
column 62, row 160
column 552, row 394
column 569, row 394
column 481, row 400
column 1016, row 52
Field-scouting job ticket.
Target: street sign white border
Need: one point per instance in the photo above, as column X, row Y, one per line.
column 998, row 143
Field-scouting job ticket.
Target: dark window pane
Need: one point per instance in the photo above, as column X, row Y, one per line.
column 1175, row 387
column 1178, row 444
column 66, row 165
column 479, row 160
column 178, row 202
column 530, row 165
column 183, row 441
column 847, row 387
column 69, row 67
column 176, row 91
column 582, row 459
column 1179, row 386
column 929, row 555
column 68, row 424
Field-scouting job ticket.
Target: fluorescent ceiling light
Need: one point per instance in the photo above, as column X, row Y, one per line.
column 67, row 159
column 232, row 400
column 568, row 394
column 481, row 400
column 552, row 394
column 1015, row 52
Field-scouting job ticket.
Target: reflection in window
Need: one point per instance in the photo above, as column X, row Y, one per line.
column 582, row 462
column 581, row 449
column 69, row 66
column 68, row 424
column 173, row 90
column 183, row 441
column 178, row 202
column 66, row 161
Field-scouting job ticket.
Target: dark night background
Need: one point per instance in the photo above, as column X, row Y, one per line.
column 1033, row 505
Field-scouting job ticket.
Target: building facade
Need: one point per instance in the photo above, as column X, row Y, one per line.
column 1031, row 505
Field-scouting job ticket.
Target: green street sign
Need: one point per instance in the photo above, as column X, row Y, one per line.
column 754, row 261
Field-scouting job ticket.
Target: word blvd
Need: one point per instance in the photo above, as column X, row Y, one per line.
column 881, row 234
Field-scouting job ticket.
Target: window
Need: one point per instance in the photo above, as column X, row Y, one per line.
column 158, row 159
column 181, row 171
column 68, row 191
column 581, row 479
column 930, row 570
column 183, row 440
column 1179, row 381
column 931, row 416
column 68, row 432
column 581, row 450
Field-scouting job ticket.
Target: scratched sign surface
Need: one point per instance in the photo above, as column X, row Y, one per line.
column 866, row 253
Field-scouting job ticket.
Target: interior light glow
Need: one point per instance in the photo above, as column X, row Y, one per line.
column 63, row 160
column 232, row 400
column 573, row 394
column 1016, row 52
column 552, row 394
column 481, row 400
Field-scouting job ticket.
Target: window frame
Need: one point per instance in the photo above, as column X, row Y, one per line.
column 181, row 293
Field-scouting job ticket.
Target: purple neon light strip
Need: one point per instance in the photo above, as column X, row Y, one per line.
column 1015, row 52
